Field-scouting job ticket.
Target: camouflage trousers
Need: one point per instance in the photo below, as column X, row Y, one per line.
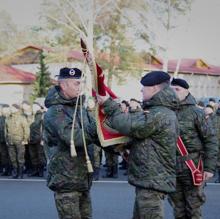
column 111, row 159
column 97, row 156
column 16, row 154
column 188, row 199
column 5, row 160
column 73, row 205
column 148, row 204
column 37, row 156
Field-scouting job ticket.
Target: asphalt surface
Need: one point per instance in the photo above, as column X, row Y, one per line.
column 31, row 199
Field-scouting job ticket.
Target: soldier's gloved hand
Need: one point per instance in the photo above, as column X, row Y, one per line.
column 102, row 99
column 207, row 176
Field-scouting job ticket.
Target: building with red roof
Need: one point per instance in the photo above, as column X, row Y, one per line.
column 15, row 85
column 204, row 78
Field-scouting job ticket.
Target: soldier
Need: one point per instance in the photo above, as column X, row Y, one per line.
column 68, row 176
column 26, row 109
column 125, row 108
column 36, row 150
column 218, row 135
column 152, row 159
column 5, row 112
column 17, row 133
column 200, row 140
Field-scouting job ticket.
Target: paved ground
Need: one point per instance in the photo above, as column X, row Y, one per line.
column 30, row 199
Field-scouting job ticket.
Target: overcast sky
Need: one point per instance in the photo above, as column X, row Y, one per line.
column 197, row 37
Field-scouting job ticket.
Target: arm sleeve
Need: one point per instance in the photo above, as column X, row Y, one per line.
column 137, row 125
column 210, row 141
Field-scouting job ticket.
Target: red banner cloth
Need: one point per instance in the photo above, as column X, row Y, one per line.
column 107, row 136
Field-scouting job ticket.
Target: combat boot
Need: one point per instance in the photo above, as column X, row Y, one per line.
column 218, row 177
column 41, row 171
column 34, row 171
column 7, row 171
column 96, row 174
column 1, row 169
column 15, row 173
column 20, row 172
column 109, row 172
column 115, row 171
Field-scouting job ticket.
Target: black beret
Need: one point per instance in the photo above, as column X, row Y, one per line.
column 154, row 77
column 134, row 100
column 125, row 102
column 16, row 106
column 70, row 73
column 210, row 106
column 212, row 99
column 180, row 82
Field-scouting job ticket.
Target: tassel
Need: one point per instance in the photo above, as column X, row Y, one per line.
column 89, row 165
column 73, row 150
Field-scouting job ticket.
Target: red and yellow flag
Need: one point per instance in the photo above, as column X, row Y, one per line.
column 107, row 135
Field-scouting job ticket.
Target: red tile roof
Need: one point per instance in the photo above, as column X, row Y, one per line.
column 10, row 74
column 40, row 48
column 189, row 66
column 76, row 55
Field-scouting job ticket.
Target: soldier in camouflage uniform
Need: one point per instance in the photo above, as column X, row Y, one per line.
column 6, row 163
column 200, row 139
column 152, row 158
column 26, row 109
column 17, row 134
column 68, row 176
column 218, row 135
column 35, row 142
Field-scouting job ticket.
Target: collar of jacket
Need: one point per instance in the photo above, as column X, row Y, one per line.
column 166, row 97
column 55, row 97
column 189, row 100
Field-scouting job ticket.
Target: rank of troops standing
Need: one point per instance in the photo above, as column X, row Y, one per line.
column 20, row 126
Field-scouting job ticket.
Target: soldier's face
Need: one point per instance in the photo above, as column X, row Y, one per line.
column 180, row 92
column 71, row 87
column 124, row 107
column 6, row 111
column 14, row 109
column 148, row 92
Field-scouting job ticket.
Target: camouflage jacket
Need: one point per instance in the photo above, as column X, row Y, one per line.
column 218, row 123
column 17, row 128
column 66, row 173
column 198, row 135
column 154, row 131
column 2, row 129
column 36, row 128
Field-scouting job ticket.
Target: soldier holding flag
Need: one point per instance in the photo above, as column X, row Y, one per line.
column 68, row 175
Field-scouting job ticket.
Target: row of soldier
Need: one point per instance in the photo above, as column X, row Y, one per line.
column 21, row 147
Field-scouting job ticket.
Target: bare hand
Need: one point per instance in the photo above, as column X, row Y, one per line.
column 207, row 176
column 102, row 99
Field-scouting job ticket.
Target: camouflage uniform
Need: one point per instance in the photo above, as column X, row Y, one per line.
column 68, row 176
column 35, row 147
column 152, row 158
column 28, row 163
column 17, row 133
column 218, row 135
column 200, row 139
column 5, row 160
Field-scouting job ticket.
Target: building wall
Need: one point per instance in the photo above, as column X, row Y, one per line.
column 202, row 85
column 14, row 93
